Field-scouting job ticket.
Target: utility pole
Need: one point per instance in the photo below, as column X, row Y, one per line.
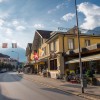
column 80, row 62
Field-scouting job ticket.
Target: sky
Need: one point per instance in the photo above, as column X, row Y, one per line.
column 19, row 19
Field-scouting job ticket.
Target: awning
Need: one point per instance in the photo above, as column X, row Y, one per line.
column 85, row 59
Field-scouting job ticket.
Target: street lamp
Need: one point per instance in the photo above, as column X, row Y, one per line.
column 80, row 62
column 17, row 55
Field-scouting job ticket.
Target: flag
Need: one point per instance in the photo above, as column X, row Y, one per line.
column 14, row 45
column 41, row 52
column 4, row 45
column 35, row 56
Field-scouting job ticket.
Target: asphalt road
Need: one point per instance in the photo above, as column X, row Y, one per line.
column 13, row 87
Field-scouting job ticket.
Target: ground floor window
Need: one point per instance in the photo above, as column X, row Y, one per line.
column 53, row 64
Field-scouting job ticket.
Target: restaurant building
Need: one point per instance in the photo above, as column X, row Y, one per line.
column 58, row 51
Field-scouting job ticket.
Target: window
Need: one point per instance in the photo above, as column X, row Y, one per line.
column 70, row 43
column 87, row 42
column 52, row 46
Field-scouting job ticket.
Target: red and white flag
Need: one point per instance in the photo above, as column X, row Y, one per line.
column 4, row 45
column 14, row 45
column 35, row 56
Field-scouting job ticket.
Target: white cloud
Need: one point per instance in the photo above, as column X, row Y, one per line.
column 92, row 15
column 18, row 25
column 1, row 22
column 2, row 1
column 37, row 26
column 6, row 13
column 60, row 5
column 8, row 32
column 20, row 28
column 15, row 23
column 56, row 8
column 56, row 22
column 68, row 16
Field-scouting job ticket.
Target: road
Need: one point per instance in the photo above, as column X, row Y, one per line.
column 13, row 87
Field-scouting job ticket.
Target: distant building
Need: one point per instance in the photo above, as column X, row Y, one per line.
column 7, row 60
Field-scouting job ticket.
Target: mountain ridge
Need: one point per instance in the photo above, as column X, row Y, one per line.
column 20, row 51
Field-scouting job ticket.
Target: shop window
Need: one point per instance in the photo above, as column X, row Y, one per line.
column 53, row 64
column 70, row 44
column 87, row 42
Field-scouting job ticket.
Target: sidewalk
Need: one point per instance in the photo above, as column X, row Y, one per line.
column 91, row 92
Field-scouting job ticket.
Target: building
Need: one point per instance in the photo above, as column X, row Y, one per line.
column 4, row 58
column 28, row 67
column 7, row 62
column 40, row 47
column 28, row 52
column 56, row 49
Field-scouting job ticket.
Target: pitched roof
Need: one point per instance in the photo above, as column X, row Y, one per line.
column 30, row 45
column 28, row 49
column 44, row 33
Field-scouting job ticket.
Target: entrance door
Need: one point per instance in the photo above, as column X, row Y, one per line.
column 53, row 64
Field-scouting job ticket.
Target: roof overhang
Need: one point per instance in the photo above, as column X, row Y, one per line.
column 36, row 41
column 84, row 59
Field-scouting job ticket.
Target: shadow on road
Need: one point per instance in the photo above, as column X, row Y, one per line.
column 2, row 97
column 57, row 91
column 10, row 77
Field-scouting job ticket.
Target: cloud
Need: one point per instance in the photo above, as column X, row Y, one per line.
column 6, row 13
column 92, row 15
column 68, row 16
column 56, row 22
column 56, row 8
column 20, row 28
column 1, row 22
column 2, row 1
column 8, row 32
column 37, row 26
column 15, row 23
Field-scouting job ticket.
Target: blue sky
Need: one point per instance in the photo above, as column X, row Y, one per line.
column 20, row 18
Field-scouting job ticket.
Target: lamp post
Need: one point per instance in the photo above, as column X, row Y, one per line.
column 80, row 62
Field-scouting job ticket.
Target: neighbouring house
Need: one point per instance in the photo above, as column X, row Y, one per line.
column 5, row 59
column 28, row 67
column 28, row 52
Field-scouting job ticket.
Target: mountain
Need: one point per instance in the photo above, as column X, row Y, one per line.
column 95, row 31
column 20, row 51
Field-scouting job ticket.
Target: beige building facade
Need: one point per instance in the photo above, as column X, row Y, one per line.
column 55, row 49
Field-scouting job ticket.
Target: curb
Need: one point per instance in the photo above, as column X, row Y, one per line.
column 87, row 96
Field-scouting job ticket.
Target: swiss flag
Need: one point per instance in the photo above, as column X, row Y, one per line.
column 35, row 56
